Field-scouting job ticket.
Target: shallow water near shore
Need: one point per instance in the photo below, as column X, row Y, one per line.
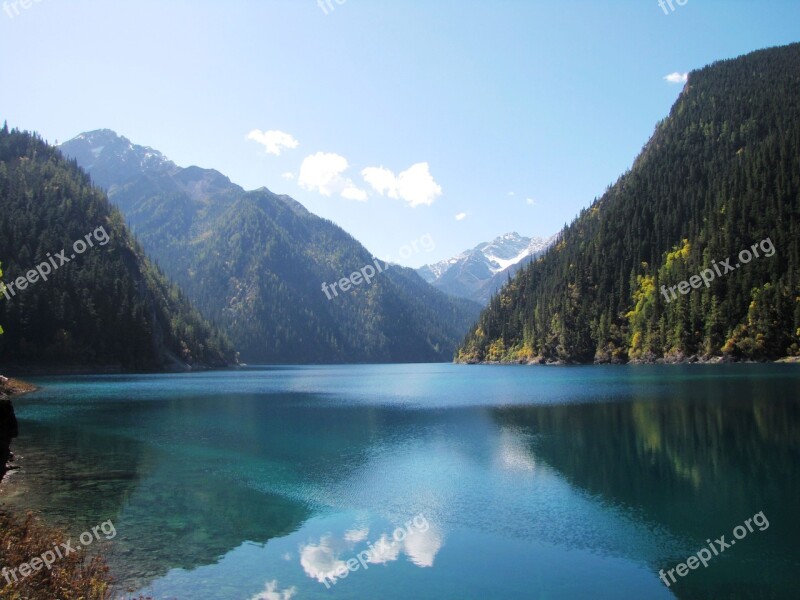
column 532, row 482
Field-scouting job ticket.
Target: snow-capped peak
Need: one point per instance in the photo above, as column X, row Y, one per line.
column 471, row 273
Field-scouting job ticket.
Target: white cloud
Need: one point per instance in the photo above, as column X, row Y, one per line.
column 323, row 172
column 461, row 216
column 676, row 77
column 415, row 185
column 382, row 180
column 273, row 141
column 512, row 193
column 288, row 175
column 353, row 193
column 273, row 593
column 530, row 201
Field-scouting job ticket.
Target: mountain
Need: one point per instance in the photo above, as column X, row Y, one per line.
column 78, row 290
column 478, row 273
column 694, row 252
column 255, row 262
column 105, row 154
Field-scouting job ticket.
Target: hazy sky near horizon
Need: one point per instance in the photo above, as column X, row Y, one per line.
column 459, row 119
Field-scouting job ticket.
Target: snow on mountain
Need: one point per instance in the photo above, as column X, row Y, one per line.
column 477, row 273
column 98, row 151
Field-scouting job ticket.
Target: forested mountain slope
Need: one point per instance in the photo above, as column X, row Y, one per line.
column 255, row 262
column 102, row 303
column 720, row 175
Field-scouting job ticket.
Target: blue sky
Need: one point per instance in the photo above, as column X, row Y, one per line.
column 459, row 119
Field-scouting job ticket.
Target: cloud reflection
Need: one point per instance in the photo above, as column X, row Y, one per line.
column 513, row 453
column 356, row 535
column 321, row 560
column 273, row 593
column 328, row 559
column 423, row 547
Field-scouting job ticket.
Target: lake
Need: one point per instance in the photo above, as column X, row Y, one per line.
column 425, row 481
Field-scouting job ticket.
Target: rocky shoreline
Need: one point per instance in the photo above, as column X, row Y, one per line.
column 667, row 360
column 8, row 420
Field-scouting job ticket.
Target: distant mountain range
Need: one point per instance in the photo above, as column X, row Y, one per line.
column 478, row 273
column 254, row 263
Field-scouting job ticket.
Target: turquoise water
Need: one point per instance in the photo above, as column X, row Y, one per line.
column 525, row 482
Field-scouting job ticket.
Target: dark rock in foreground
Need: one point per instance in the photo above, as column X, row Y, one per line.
column 8, row 420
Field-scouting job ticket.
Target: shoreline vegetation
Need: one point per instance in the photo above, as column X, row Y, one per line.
column 667, row 360
column 79, row 576
column 76, row 576
column 14, row 387
column 31, row 370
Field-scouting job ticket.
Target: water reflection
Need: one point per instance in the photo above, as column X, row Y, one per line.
column 697, row 464
column 268, row 493
column 514, row 453
column 273, row 592
column 334, row 557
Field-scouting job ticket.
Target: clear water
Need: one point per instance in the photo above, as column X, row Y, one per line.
column 527, row 482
